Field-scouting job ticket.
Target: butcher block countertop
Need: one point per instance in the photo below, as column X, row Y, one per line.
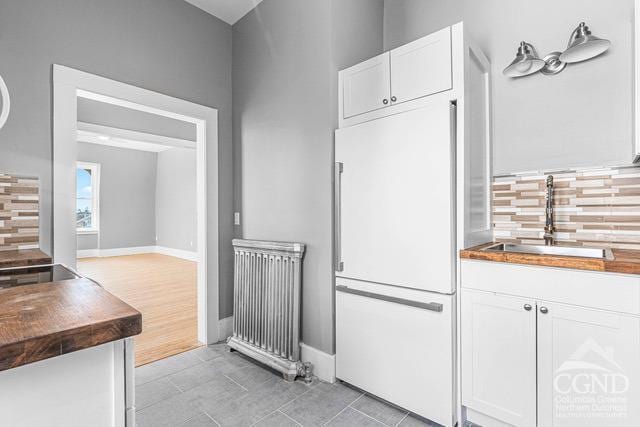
column 45, row 320
column 624, row 260
column 23, row 258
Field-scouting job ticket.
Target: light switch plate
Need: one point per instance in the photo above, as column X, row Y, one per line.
column 236, row 218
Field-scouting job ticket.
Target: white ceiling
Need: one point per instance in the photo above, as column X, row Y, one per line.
column 229, row 11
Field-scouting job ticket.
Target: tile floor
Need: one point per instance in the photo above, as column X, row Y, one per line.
column 210, row 386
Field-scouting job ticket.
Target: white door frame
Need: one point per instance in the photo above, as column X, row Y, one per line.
column 68, row 85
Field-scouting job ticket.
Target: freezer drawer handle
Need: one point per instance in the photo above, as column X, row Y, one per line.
column 432, row 306
column 339, row 265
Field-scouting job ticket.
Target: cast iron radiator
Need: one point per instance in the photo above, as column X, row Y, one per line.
column 266, row 306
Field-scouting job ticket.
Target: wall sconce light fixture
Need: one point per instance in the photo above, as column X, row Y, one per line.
column 582, row 46
column 6, row 103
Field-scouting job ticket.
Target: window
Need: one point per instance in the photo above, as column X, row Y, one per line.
column 87, row 191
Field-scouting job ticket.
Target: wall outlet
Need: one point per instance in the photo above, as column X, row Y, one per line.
column 236, row 218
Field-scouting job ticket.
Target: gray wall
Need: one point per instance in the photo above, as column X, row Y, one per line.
column 176, row 202
column 127, row 195
column 581, row 117
column 88, row 241
column 167, row 46
column 285, row 59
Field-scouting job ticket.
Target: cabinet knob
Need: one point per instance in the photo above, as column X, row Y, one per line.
column 544, row 310
column 394, row 99
column 527, row 307
column 385, row 101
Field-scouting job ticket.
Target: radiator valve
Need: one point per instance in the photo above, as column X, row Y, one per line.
column 306, row 370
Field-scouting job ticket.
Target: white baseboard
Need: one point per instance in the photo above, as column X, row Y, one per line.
column 88, row 253
column 225, row 328
column 324, row 365
column 126, row 251
column 178, row 253
column 102, row 253
column 99, row 253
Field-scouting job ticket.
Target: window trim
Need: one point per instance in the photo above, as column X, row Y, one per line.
column 95, row 196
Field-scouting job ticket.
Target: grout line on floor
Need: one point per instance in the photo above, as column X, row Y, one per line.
column 401, row 420
column 343, row 409
column 174, row 384
column 282, row 406
column 367, row 415
column 235, row 382
column 212, row 419
column 288, row 417
column 363, row 395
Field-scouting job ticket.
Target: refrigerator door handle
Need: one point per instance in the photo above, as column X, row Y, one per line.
column 431, row 306
column 339, row 265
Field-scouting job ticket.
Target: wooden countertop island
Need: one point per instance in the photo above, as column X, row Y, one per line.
column 44, row 320
column 624, row 260
column 23, row 258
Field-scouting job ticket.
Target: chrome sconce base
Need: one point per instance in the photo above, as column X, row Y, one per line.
column 553, row 64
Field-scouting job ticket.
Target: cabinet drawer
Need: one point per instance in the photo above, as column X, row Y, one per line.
column 399, row 351
column 422, row 67
column 606, row 291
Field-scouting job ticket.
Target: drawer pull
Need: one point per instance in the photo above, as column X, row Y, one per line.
column 431, row 306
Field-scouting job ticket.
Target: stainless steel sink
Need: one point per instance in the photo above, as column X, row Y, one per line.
column 552, row 250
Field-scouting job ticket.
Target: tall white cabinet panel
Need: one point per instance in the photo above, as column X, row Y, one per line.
column 499, row 356
column 395, row 199
column 399, row 352
column 366, row 86
column 587, row 356
column 422, row 67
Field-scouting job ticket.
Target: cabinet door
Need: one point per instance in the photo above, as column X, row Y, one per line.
column 588, row 361
column 365, row 87
column 422, row 67
column 499, row 356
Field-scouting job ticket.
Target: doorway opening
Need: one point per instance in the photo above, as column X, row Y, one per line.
column 131, row 207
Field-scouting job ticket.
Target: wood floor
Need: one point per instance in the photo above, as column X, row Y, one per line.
column 163, row 289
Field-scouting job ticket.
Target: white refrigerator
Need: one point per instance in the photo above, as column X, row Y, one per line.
column 395, row 190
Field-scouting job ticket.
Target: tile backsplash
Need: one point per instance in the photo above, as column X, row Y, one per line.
column 19, row 212
column 593, row 207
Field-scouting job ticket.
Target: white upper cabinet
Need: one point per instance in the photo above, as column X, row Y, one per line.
column 422, row 67
column 365, row 87
column 400, row 80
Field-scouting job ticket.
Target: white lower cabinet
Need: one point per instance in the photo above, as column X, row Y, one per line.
column 528, row 362
column 499, row 356
column 588, row 367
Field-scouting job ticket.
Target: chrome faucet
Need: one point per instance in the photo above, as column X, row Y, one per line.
column 549, row 228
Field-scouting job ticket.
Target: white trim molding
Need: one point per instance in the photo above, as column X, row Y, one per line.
column 124, row 138
column 324, row 365
column 69, row 85
column 103, row 253
column 177, row 253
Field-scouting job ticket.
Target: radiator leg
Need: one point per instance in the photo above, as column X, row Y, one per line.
column 229, row 348
column 289, row 377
